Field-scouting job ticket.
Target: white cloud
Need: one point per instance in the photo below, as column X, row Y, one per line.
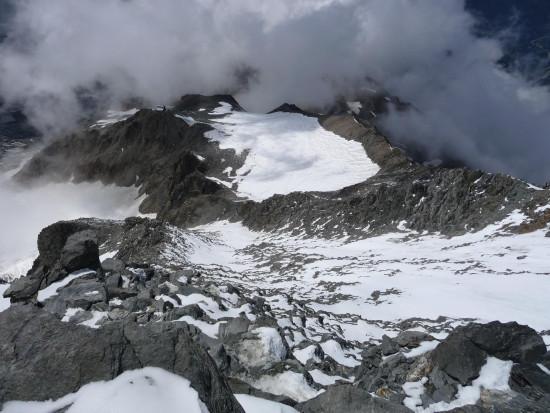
column 303, row 51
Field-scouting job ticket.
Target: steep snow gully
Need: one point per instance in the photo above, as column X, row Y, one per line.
column 283, row 262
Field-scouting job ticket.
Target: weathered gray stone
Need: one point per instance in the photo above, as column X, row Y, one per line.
column 348, row 398
column 113, row 265
column 459, row 358
column 388, row 346
column 43, row 358
column 113, row 281
column 235, row 326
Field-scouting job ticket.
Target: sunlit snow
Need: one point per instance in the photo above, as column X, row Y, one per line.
column 290, row 152
column 147, row 390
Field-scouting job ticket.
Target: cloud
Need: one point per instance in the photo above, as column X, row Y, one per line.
column 270, row 51
column 25, row 211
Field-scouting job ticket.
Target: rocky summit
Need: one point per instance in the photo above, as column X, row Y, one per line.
column 281, row 262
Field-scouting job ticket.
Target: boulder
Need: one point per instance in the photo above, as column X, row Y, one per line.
column 192, row 310
column 412, row 339
column 388, row 346
column 53, row 238
column 459, row 358
column 80, row 293
column 23, row 288
column 113, row 265
column 507, row 341
column 530, row 380
column 113, row 281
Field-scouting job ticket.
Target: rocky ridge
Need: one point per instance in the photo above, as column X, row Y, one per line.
column 141, row 291
column 95, row 324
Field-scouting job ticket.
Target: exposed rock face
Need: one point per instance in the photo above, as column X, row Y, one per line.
column 64, row 247
column 173, row 163
column 43, row 358
column 458, row 360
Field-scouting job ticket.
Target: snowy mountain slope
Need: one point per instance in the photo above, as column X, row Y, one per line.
column 315, row 263
column 288, row 152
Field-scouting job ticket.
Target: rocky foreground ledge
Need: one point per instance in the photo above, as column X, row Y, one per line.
column 74, row 320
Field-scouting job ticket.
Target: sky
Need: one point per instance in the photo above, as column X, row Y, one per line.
column 60, row 56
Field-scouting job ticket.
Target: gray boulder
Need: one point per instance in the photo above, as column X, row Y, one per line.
column 462, row 354
column 80, row 293
column 459, row 358
column 507, row 341
column 23, row 288
column 412, row 339
column 388, row 346
column 113, row 265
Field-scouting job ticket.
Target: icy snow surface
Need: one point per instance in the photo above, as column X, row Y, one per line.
column 147, row 390
column 289, row 152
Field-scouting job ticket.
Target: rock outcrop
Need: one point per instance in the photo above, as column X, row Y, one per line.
column 64, row 247
column 43, row 358
column 167, row 155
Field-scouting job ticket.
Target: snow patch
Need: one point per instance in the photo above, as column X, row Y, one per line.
column 146, row 390
column 333, row 349
column 290, row 152
column 211, row 330
column 326, row 380
column 252, row 404
column 543, row 368
column 423, row 348
column 306, row 354
column 223, row 109
column 289, row 383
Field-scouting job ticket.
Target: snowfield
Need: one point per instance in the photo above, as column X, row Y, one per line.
column 366, row 286
column 289, row 152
